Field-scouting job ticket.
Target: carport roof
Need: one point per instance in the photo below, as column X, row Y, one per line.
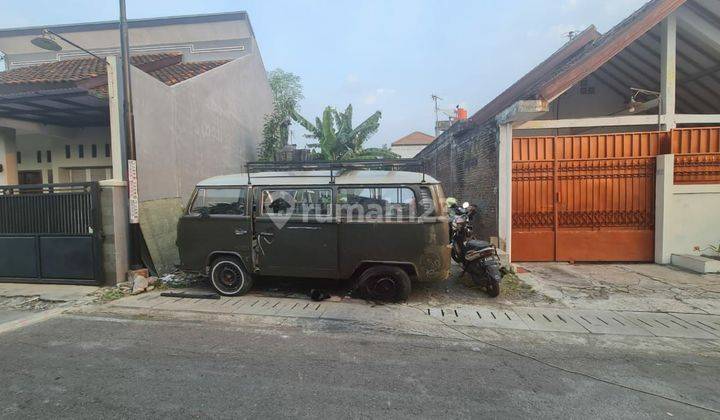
column 74, row 92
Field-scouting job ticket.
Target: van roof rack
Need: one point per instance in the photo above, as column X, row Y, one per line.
column 369, row 164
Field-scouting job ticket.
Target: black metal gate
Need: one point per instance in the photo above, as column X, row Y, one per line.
column 50, row 233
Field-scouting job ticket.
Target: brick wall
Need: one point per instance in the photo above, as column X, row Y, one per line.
column 465, row 159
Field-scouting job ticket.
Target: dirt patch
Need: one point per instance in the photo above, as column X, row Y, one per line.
column 27, row 303
column 454, row 290
column 459, row 289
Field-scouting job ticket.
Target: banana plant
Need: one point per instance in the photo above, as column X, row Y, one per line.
column 338, row 140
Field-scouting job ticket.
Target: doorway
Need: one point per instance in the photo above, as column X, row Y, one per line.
column 30, row 177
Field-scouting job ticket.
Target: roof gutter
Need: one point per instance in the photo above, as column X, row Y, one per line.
column 522, row 111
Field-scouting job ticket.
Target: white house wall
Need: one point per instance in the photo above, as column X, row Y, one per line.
column 153, row 107
column 28, row 144
column 205, row 126
column 219, row 117
column 694, row 218
column 408, row 151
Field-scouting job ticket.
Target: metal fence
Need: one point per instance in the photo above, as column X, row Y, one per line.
column 697, row 155
column 50, row 233
column 69, row 209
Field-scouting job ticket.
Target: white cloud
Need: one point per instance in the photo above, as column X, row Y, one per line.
column 372, row 97
column 568, row 5
column 352, row 78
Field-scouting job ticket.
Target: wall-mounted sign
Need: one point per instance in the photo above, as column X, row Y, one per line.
column 133, row 200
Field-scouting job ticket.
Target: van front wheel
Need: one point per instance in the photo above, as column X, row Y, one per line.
column 229, row 277
column 384, row 283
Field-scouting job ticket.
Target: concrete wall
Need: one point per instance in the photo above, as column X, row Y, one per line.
column 113, row 218
column 686, row 215
column 465, row 159
column 407, row 152
column 695, row 217
column 205, row 126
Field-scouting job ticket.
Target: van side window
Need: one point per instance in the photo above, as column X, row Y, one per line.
column 372, row 203
column 307, row 201
column 220, row 201
column 427, row 206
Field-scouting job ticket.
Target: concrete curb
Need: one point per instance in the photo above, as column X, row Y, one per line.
column 32, row 319
column 629, row 323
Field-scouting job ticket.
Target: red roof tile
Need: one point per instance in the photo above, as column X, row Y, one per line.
column 165, row 67
column 70, row 70
column 176, row 73
column 416, row 138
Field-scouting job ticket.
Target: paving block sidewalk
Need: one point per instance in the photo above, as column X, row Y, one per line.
column 637, row 287
column 629, row 323
column 23, row 304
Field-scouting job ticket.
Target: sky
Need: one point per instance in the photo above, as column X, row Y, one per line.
column 387, row 55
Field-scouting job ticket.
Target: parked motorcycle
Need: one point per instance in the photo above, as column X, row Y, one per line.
column 479, row 258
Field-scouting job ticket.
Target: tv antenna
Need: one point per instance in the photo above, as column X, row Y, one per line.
column 435, row 99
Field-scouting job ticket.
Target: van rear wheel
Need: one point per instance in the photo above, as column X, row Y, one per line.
column 229, row 277
column 384, row 283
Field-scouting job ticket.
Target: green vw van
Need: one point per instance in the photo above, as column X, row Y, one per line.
column 382, row 229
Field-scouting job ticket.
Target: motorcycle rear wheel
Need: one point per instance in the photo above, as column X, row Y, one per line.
column 483, row 276
column 493, row 289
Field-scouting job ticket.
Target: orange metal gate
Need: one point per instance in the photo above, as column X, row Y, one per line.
column 585, row 198
column 697, row 155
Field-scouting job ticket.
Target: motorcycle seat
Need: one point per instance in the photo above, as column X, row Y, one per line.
column 477, row 244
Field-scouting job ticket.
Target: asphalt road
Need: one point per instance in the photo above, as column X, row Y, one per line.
column 134, row 367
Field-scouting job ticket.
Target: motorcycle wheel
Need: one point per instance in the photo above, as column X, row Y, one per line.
column 493, row 289
column 493, row 277
column 488, row 276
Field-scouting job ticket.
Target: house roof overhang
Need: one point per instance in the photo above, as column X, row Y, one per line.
column 74, row 92
column 609, row 45
column 68, row 106
column 576, row 60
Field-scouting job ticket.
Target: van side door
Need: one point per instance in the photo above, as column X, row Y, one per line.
column 217, row 220
column 296, row 232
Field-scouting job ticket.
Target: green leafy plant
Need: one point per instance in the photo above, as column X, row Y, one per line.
column 338, row 140
column 287, row 93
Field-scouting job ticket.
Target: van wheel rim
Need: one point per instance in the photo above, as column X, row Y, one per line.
column 229, row 278
column 383, row 288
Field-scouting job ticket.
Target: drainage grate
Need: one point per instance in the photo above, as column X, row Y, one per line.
column 667, row 325
column 482, row 318
column 707, row 323
column 550, row 320
column 605, row 322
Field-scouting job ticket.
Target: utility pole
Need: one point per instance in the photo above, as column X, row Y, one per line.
column 129, row 120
